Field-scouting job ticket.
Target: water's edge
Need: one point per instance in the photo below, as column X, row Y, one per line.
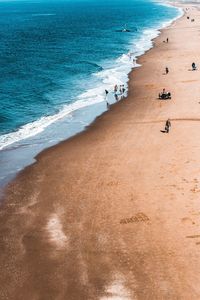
column 14, row 156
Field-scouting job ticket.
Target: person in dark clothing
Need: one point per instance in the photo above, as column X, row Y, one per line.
column 167, row 125
column 115, row 88
column 166, row 70
column 194, row 66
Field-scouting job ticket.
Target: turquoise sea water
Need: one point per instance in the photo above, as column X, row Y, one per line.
column 59, row 56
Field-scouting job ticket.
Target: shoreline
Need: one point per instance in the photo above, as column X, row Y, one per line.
column 31, row 155
column 114, row 211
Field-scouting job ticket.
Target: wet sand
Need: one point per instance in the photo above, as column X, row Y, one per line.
column 114, row 212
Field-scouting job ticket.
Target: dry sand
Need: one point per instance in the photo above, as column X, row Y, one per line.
column 114, row 213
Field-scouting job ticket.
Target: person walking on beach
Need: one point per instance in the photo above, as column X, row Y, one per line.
column 116, row 97
column 167, row 125
column 167, row 40
column 193, row 66
column 115, row 88
column 106, row 92
column 166, row 70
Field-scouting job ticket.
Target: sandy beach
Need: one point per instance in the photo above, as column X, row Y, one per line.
column 114, row 212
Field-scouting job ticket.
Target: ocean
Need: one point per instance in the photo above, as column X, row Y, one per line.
column 57, row 58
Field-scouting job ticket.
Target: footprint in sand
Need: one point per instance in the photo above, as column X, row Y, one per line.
column 194, row 213
column 185, row 180
column 195, row 189
column 193, row 236
column 113, row 183
column 139, row 217
column 187, row 220
column 151, row 86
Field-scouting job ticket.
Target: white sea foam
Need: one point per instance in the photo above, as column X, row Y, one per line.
column 170, row 3
column 55, row 230
column 118, row 291
column 107, row 78
column 36, row 127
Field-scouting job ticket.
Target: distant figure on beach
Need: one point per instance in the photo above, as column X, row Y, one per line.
column 164, row 95
column 194, row 66
column 167, row 125
column 116, row 97
column 166, row 70
column 106, row 92
column 167, row 40
column 115, row 88
column 123, row 89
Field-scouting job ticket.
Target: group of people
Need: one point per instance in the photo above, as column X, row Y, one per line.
column 192, row 20
column 164, row 95
column 132, row 57
column 118, row 92
column 119, row 88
